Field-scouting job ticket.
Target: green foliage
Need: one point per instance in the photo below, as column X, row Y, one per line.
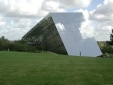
column 18, row 45
column 105, row 47
column 4, row 43
column 23, row 68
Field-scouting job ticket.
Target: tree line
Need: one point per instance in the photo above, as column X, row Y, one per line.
column 17, row 45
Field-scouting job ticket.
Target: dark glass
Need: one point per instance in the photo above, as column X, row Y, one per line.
column 46, row 33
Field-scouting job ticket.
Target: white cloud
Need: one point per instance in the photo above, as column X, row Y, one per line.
column 52, row 6
column 2, row 22
column 73, row 3
column 19, row 16
column 87, row 29
column 102, row 33
column 60, row 27
column 62, row 5
column 21, row 8
column 103, row 14
column 85, row 13
column 37, row 8
column 17, row 28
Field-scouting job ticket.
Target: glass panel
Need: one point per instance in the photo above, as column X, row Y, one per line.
column 63, row 33
column 69, row 27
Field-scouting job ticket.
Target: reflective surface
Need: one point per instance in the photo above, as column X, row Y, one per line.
column 76, row 42
column 64, row 33
column 47, row 36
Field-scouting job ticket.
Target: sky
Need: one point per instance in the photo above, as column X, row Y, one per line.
column 17, row 17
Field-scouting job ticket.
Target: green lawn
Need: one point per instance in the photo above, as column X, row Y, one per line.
column 19, row 68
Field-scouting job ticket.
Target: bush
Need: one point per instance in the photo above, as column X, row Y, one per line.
column 18, row 45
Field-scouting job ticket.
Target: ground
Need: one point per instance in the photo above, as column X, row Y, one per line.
column 22, row 68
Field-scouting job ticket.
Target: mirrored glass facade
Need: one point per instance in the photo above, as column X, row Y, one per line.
column 45, row 33
column 63, row 33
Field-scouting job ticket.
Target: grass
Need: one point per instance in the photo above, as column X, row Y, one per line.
column 21, row 68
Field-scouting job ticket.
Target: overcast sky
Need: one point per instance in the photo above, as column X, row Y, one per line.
column 17, row 17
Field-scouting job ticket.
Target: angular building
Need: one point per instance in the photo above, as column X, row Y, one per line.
column 64, row 33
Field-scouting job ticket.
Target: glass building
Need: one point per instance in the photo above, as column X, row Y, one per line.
column 64, row 33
